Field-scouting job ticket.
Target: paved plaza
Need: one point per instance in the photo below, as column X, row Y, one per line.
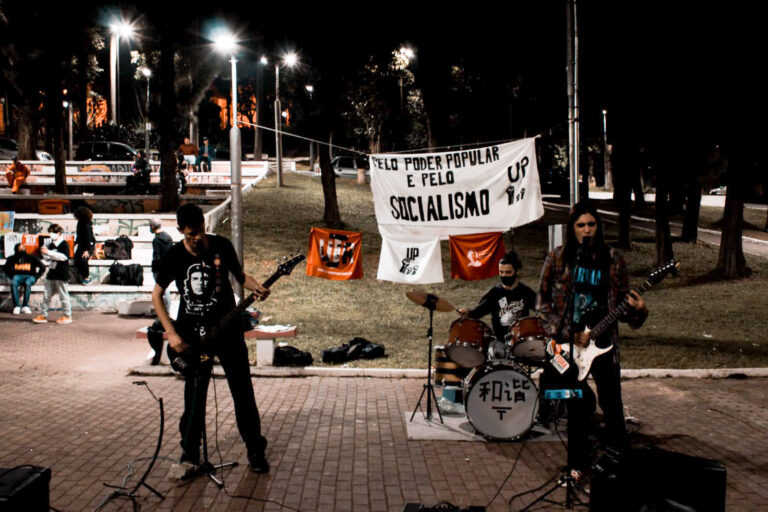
column 69, row 403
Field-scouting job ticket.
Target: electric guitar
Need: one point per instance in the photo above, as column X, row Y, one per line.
column 584, row 356
column 199, row 353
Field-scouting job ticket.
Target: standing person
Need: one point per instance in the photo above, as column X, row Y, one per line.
column 56, row 255
column 200, row 265
column 24, row 269
column 600, row 280
column 160, row 245
column 204, row 156
column 16, row 175
column 507, row 301
column 85, row 243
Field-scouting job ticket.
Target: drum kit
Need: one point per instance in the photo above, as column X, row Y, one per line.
column 500, row 397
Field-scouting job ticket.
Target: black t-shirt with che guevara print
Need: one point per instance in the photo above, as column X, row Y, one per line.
column 203, row 281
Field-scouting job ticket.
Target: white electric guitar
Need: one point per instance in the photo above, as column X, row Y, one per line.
column 584, row 356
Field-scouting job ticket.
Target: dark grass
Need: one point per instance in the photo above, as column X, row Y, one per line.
column 695, row 322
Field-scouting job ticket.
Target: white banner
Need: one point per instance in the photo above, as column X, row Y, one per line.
column 493, row 188
column 415, row 262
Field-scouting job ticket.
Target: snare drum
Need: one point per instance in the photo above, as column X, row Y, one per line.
column 528, row 340
column 468, row 342
column 501, row 401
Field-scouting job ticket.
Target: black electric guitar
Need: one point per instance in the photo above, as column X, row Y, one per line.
column 199, row 354
column 584, row 356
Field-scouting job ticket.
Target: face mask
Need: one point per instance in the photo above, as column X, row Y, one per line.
column 508, row 280
column 55, row 237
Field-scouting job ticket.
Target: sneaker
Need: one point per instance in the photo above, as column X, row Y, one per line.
column 181, row 470
column 64, row 320
column 85, row 282
column 17, row 310
column 258, row 463
column 40, row 319
column 26, row 310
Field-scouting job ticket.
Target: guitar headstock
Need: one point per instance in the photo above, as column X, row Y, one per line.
column 286, row 265
column 661, row 272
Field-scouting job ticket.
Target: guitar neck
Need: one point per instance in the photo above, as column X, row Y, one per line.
column 608, row 322
column 235, row 313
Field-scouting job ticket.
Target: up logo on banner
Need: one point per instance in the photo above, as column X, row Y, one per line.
column 475, row 257
column 335, row 254
column 410, row 261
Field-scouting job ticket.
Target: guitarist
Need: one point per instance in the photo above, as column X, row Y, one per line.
column 600, row 284
column 201, row 265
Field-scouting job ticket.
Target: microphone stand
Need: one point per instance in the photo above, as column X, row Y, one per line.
column 430, row 304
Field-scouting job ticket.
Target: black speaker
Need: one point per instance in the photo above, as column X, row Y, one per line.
column 24, row 488
column 655, row 480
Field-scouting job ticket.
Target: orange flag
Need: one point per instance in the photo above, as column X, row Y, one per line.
column 475, row 257
column 335, row 254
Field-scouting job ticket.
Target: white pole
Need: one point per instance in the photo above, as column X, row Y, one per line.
column 147, row 124
column 114, row 50
column 236, row 178
column 572, row 127
column 278, row 127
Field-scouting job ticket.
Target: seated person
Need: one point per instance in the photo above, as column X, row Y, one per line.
column 204, row 156
column 16, row 175
column 22, row 268
column 188, row 150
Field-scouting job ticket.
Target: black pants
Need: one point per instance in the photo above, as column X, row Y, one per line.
column 607, row 374
column 81, row 265
column 233, row 356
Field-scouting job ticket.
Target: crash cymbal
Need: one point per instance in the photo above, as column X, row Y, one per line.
column 428, row 299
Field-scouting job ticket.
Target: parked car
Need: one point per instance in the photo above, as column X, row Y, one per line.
column 105, row 151
column 9, row 148
column 348, row 166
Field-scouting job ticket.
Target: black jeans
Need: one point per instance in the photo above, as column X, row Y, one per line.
column 233, row 356
column 607, row 374
column 81, row 265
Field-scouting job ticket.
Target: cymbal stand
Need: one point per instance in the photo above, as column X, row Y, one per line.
column 428, row 388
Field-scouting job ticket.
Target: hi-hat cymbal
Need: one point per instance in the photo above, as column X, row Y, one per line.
column 424, row 299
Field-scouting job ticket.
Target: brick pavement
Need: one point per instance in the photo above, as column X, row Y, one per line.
column 335, row 443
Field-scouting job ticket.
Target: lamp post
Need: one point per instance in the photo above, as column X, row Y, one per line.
column 119, row 29
column 227, row 44
column 289, row 60
column 607, row 178
column 147, row 124
column 68, row 106
column 403, row 58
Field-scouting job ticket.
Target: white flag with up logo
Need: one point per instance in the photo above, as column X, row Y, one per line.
column 414, row 262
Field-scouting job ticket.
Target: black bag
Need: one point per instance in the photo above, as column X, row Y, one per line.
column 126, row 275
column 356, row 348
column 291, row 356
column 118, row 249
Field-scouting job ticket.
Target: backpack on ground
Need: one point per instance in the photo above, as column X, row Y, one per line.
column 126, row 275
column 118, row 249
column 291, row 356
column 356, row 348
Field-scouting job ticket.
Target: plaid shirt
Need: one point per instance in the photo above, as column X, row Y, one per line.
column 553, row 288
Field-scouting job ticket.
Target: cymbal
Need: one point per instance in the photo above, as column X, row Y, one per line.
column 422, row 299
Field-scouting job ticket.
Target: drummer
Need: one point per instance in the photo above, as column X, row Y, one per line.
column 506, row 302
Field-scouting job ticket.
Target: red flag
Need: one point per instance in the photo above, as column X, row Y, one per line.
column 475, row 257
column 335, row 254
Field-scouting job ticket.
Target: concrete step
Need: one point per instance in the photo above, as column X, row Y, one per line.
column 95, row 297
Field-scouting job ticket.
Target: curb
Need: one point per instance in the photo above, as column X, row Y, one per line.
column 412, row 373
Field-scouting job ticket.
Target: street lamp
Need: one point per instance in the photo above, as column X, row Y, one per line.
column 289, row 60
column 119, row 29
column 147, row 124
column 607, row 178
column 226, row 43
column 402, row 60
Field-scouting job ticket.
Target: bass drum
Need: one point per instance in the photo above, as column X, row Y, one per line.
column 501, row 401
column 468, row 342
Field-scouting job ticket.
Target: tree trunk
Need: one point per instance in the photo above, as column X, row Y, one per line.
column 82, row 97
column 331, row 216
column 692, row 206
column 168, row 119
column 28, row 123
column 664, row 251
column 731, row 263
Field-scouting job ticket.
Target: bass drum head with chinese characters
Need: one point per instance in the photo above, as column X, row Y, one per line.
column 501, row 401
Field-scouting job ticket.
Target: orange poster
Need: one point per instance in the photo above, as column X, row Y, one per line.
column 335, row 254
column 475, row 257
